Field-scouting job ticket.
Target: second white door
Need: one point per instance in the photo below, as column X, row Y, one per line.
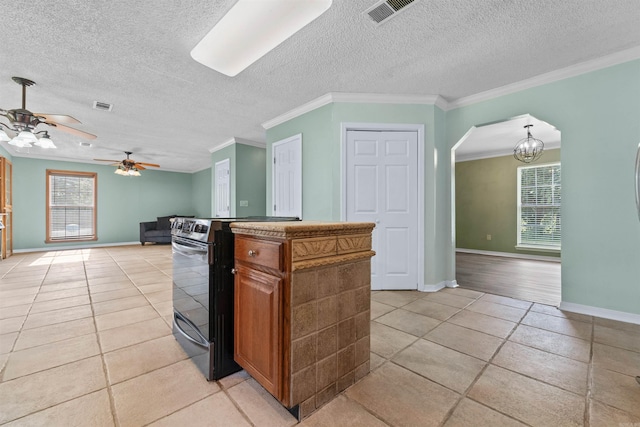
column 222, row 186
column 382, row 187
column 287, row 177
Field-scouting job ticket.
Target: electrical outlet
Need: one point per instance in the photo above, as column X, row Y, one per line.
column 244, row 203
column 488, row 236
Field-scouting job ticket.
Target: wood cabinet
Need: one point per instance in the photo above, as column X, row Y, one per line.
column 259, row 346
column 302, row 308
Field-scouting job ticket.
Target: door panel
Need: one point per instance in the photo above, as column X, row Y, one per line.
column 287, row 177
column 382, row 187
column 223, row 189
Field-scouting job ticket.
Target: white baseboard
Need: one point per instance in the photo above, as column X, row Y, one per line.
column 432, row 288
column 509, row 255
column 604, row 313
column 86, row 246
column 451, row 283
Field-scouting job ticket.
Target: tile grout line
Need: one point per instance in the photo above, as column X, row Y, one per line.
column 112, row 404
column 482, row 371
column 587, row 397
column 2, row 372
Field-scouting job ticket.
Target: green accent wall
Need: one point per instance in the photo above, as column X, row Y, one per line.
column 123, row 202
column 487, row 203
column 598, row 114
column 247, row 180
column 201, row 193
column 250, row 180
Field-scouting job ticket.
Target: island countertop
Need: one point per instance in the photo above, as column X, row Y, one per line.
column 301, row 229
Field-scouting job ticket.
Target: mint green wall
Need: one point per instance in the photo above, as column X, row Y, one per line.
column 486, row 203
column 322, row 174
column 320, row 149
column 247, row 181
column 123, row 202
column 598, row 114
column 4, row 153
column 250, row 180
column 201, row 193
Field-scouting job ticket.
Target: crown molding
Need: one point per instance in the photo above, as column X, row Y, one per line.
column 369, row 98
column 443, row 104
column 235, row 140
column 550, row 77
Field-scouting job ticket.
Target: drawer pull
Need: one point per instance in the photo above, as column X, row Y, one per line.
column 253, row 253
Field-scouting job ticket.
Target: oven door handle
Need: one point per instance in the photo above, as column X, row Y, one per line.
column 188, row 250
column 201, row 341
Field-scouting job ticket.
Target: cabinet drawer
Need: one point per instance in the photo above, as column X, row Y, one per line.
column 261, row 252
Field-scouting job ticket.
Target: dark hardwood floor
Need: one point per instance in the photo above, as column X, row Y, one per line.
column 537, row 281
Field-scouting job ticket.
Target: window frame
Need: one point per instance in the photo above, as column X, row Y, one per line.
column 94, row 177
column 549, row 247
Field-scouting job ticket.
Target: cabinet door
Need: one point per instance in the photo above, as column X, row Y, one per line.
column 257, row 314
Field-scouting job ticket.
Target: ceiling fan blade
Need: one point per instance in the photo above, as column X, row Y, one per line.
column 107, row 160
column 57, row 118
column 73, row 131
column 139, row 167
column 148, row 164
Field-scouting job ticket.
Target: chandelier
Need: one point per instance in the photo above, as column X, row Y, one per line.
column 26, row 137
column 528, row 149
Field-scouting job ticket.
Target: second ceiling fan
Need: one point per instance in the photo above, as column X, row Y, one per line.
column 128, row 167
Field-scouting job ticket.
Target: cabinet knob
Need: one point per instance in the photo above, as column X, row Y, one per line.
column 252, row 253
column 233, row 271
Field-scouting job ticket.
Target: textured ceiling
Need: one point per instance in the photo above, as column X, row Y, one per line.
column 171, row 110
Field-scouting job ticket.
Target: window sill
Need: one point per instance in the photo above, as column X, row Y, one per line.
column 548, row 249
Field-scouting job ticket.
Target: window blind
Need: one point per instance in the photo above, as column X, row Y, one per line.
column 539, row 202
column 71, row 213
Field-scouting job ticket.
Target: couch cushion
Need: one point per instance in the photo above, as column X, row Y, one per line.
column 163, row 222
column 157, row 233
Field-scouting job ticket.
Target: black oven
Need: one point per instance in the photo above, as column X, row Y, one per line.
column 203, row 291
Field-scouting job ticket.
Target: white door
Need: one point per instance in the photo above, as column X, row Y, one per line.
column 287, row 177
column 382, row 187
column 223, row 189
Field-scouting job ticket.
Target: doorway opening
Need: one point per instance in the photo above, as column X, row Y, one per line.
column 492, row 217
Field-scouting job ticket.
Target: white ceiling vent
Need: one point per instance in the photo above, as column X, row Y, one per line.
column 103, row 106
column 386, row 9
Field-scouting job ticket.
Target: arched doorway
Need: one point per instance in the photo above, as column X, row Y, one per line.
column 503, row 232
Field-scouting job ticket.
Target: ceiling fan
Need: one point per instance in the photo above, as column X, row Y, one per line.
column 24, row 122
column 127, row 166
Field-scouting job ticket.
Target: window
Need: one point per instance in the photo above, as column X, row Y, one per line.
column 539, row 197
column 71, row 206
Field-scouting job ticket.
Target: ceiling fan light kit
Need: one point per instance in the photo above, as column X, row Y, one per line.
column 250, row 29
column 128, row 167
column 528, row 149
column 23, row 124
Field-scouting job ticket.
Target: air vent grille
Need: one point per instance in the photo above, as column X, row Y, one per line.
column 385, row 9
column 97, row 105
column 399, row 4
column 381, row 12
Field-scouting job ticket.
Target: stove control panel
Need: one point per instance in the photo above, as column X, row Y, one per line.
column 192, row 228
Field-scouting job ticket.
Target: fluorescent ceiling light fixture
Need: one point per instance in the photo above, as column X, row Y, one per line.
column 252, row 28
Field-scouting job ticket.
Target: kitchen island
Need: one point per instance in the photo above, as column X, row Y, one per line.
column 302, row 308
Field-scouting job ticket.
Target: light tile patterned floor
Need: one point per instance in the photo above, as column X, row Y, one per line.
column 85, row 340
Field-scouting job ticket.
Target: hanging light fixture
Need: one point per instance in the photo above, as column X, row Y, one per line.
column 528, row 149
column 25, row 137
column 45, row 141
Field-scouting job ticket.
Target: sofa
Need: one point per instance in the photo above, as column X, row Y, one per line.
column 158, row 231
